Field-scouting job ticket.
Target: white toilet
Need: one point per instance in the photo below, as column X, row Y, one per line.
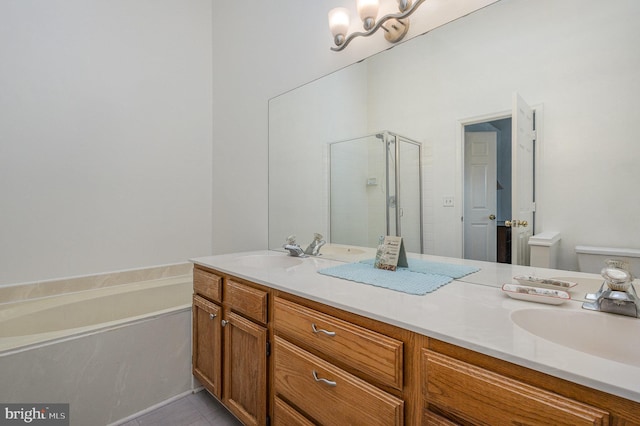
column 592, row 259
column 544, row 249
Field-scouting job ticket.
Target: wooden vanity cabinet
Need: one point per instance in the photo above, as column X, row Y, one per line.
column 468, row 388
column 332, row 367
column 230, row 341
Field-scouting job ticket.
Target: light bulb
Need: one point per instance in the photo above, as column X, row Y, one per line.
column 368, row 12
column 339, row 24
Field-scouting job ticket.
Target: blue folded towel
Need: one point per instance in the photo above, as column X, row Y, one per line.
column 401, row 280
column 421, row 277
column 437, row 268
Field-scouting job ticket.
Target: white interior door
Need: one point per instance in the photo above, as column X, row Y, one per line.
column 480, row 175
column 522, row 198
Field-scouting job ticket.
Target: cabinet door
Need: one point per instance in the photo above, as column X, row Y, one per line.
column 207, row 347
column 245, row 369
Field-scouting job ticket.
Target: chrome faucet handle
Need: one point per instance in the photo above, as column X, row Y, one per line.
column 597, row 294
column 314, row 248
column 294, row 250
column 291, row 239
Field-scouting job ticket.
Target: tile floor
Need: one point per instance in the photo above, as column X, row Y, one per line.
column 198, row 409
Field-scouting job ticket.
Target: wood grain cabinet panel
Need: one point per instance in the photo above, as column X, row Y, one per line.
column 483, row 397
column 207, row 345
column 378, row 356
column 246, row 300
column 328, row 394
column 432, row 419
column 207, row 284
column 229, row 350
column 285, row 415
column 245, row 369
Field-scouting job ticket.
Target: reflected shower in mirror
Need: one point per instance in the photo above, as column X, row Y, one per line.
column 375, row 190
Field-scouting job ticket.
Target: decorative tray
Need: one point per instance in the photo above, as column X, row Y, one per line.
column 545, row 282
column 536, row 294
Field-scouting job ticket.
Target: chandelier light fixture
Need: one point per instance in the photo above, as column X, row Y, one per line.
column 395, row 25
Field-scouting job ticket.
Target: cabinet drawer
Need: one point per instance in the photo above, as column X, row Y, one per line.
column 284, row 415
column 207, row 284
column 483, row 397
column 432, row 419
column 378, row 356
column 246, row 300
column 329, row 395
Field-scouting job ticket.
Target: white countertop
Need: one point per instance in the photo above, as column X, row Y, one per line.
column 476, row 317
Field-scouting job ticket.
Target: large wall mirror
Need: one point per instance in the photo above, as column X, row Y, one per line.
column 575, row 62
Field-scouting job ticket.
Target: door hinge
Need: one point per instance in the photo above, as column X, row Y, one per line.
column 268, row 348
column 534, row 135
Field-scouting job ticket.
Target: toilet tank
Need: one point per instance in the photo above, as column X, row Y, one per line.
column 592, row 259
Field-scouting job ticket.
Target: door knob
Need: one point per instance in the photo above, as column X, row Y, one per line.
column 507, row 223
column 523, row 223
column 492, row 217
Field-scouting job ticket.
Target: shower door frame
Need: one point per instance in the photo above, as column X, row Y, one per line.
column 397, row 181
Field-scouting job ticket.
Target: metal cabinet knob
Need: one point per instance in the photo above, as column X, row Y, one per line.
column 224, row 322
column 212, row 316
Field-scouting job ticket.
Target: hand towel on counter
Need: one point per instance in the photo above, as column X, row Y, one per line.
column 437, row 268
column 421, row 277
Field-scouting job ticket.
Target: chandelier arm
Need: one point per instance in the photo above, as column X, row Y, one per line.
column 379, row 24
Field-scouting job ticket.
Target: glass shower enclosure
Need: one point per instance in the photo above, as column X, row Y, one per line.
column 375, row 190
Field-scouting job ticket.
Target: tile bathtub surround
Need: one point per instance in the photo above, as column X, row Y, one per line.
column 33, row 290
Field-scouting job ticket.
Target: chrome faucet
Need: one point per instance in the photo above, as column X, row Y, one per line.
column 294, row 249
column 619, row 297
column 314, row 247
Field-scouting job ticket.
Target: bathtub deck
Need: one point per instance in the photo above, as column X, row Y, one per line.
column 199, row 409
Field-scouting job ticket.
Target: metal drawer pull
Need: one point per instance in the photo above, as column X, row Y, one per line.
column 212, row 316
column 317, row 379
column 316, row 330
column 224, row 322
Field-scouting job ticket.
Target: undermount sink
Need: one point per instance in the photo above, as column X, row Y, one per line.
column 609, row 336
column 267, row 261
